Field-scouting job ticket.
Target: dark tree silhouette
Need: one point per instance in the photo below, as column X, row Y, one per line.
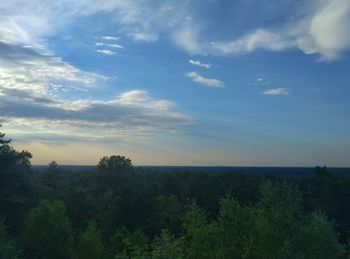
column 115, row 163
column 2, row 140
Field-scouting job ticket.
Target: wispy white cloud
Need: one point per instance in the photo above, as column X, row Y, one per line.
column 29, row 68
column 203, row 80
column 116, row 46
column 200, row 64
column 130, row 112
column 258, row 39
column 110, row 45
column 321, row 28
column 143, row 36
column 276, row 91
column 112, row 38
column 105, row 52
column 187, row 38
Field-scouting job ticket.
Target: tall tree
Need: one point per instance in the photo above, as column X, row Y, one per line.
column 90, row 244
column 8, row 248
column 3, row 141
column 48, row 232
column 14, row 184
column 115, row 163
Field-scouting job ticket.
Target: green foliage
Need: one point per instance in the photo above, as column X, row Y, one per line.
column 107, row 211
column 319, row 240
column 10, row 158
column 167, row 246
column 3, row 141
column 53, row 167
column 235, row 229
column 53, row 175
column 48, row 232
column 278, row 221
column 200, row 236
column 126, row 244
column 115, row 163
column 8, row 248
column 147, row 214
column 90, row 245
column 15, row 187
column 276, row 227
column 168, row 213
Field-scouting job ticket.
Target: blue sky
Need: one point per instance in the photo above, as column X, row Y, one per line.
column 187, row 82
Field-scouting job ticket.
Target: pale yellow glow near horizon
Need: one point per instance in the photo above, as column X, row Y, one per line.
column 90, row 154
column 172, row 153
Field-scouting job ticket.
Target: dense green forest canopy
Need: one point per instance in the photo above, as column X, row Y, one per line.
column 121, row 211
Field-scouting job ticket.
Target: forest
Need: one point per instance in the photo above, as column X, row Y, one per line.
column 122, row 211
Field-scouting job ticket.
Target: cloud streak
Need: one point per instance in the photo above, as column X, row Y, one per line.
column 111, row 38
column 276, row 91
column 205, row 81
column 200, row 64
column 105, row 52
column 132, row 111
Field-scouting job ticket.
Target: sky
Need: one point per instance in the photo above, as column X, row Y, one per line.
column 177, row 82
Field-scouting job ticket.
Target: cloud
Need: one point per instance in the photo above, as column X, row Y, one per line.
column 105, row 52
column 329, row 30
column 143, row 36
column 316, row 27
column 258, row 39
column 133, row 111
column 29, row 68
column 112, row 38
column 187, row 38
column 34, row 81
column 24, row 21
column 110, row 45
column 203, row 80
column 198, row 63
column 116, row 46
column 276, row 91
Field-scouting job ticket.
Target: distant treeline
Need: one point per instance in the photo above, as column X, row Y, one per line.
column 119, row 211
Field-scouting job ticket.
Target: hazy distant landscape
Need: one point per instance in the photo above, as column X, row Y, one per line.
column 278, row 171
column 116, row 210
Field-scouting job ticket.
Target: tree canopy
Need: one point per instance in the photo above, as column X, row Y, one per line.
column 118, row 211
column 115, row 163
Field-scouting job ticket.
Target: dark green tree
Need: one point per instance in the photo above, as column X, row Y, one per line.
column 115, row 163
column 126, row 244
column 167, row 246
column 8, row 248
column 200, row 234
column 90, row 245
column 168, row 213
column 107, row 211
column 274, row 228
column 15, row 188
column 48, row 232
column 52, row 175
column 3, row 141
column 53, row 167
